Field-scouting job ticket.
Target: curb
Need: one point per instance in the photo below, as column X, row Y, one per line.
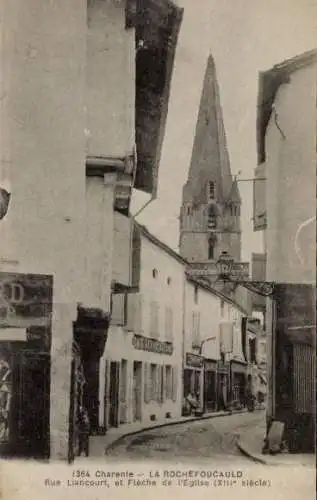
column 117, row 441
column 244, row 451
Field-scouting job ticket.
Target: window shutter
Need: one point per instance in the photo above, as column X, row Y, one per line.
column 147, row 383
column 118, row 309
column 175, row 384
column 162, row 383
column 137, row 313
column 159, row 384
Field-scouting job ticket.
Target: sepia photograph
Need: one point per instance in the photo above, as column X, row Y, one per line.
column 158, row 248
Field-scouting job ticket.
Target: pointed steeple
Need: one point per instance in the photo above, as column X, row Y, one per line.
column 234, row 195
column 210, row 158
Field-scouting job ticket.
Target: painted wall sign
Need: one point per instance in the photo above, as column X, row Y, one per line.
column 210, row 365
column 194, row 360
column 152, row 345
column 296, row 311
column 26, row 303
column 223, row 367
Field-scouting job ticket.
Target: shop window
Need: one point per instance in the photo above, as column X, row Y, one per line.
column 187, row 381
column 169, row 382
column 5, row 396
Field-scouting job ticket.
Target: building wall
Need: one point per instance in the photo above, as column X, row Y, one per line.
column 291, row 180
column 110, row 80
column 161, row 282
column 42, row 149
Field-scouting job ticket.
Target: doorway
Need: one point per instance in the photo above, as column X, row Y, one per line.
column 123, row 391
column 114, row 393
column 137, row 385
column 210, row 391
column 33, row 404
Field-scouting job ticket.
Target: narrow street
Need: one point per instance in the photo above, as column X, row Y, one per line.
column 201, row 440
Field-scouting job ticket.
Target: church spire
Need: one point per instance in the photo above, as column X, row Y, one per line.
column 210, row 158
column 210, row 212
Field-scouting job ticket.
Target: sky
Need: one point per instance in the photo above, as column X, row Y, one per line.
column 244, row 37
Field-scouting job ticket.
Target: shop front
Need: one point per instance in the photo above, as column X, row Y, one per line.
column 90, row 336
column 25, row 342
column 223, row 384
column 193, row 375
column 238, row 375
column 294, row 367
column 210, row 385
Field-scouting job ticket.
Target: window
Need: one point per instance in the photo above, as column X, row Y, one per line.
column 212, row 217
column 169, row 280
column 169, row 382
column 211, row 190
column 196, row 294
column 119, row 309
column 211, row 249
column 189, row 210
column 154, row 273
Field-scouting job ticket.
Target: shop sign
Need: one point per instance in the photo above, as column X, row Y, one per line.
column 152, row 345
column 194, row 360
column 238, row 367
column 210, row 365
column 26, row 303
column 223, row 367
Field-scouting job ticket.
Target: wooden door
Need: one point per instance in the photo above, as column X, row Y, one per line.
column 114, row 393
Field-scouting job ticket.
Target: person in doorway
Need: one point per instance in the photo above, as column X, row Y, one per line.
column 192, row 402
column 84, row 428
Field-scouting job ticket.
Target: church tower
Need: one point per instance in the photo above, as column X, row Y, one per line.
column 210, row 211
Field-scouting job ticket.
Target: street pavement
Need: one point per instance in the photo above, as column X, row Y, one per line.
column 202, row 440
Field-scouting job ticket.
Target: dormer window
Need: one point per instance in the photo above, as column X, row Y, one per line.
column 211, row 190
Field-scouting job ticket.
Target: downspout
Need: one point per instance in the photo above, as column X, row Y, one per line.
column 183, row 338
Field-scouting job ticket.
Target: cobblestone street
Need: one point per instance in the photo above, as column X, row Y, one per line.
column 202, row 440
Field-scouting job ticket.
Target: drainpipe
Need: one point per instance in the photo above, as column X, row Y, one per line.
column 183, row 338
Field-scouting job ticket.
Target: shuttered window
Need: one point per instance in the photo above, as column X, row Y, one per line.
column 169, row 324
column 154, row 382
column 134, row 312
column 169, row 381
column 118, row 309
column 175, row 383
column 161, row 384
column 147, row 383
